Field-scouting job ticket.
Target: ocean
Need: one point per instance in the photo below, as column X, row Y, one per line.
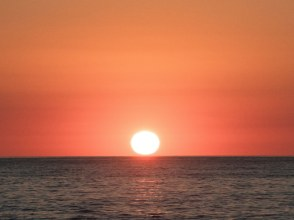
column 147, row 188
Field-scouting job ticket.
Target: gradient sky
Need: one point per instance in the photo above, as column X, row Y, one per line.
column 209, row 77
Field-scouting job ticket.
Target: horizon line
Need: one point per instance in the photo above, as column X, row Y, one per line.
column 139, row 156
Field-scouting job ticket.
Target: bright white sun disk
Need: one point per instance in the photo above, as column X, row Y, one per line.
column 145, row 142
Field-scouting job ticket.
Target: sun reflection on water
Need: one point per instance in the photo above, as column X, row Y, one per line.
column 147, row 196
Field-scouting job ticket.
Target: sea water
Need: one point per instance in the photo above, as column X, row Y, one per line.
column 147, row 188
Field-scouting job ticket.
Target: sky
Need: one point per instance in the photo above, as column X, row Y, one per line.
column 210, row 77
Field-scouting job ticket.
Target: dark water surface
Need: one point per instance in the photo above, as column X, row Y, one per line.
column 147, row 188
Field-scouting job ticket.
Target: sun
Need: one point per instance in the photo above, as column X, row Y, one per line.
column 145, row 142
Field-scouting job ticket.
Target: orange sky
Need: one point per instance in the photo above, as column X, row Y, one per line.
column 209, row 77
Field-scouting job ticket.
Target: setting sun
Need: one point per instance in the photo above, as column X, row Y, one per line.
column 145, row 142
